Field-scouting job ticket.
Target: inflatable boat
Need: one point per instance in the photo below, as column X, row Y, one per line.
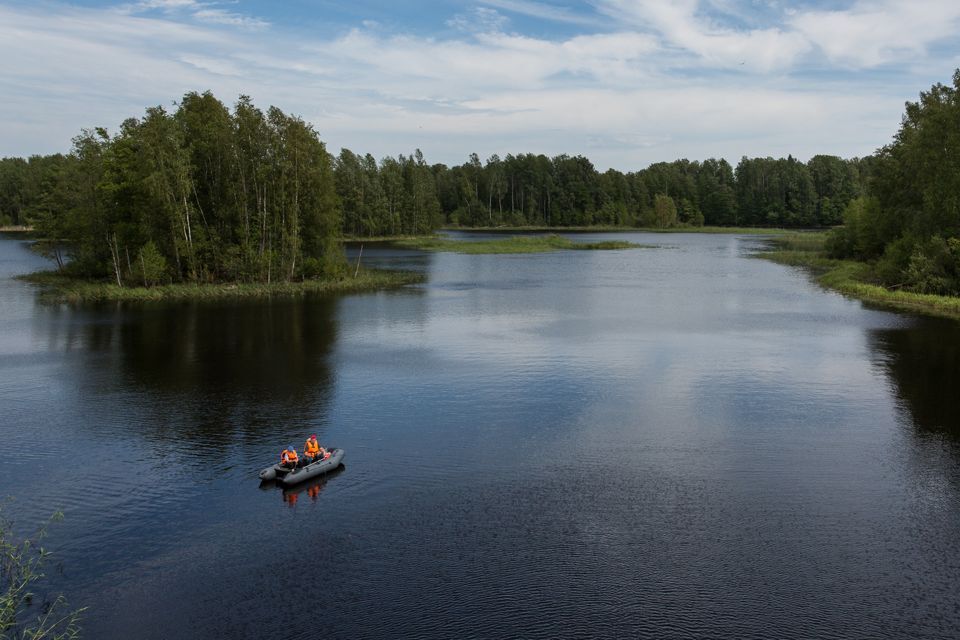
column 288, row 477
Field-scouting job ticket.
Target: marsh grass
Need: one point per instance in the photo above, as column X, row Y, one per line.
column 57, row 288
column 25, row 612
column 611, row 229
column 852, row 278
column 513, row 244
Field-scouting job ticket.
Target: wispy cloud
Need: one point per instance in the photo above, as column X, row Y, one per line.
column 545, row 11
column 480, row 19
column 873, row 33
column 865, row 34
column 221, row 16
column 211, row 12
column 683, row 27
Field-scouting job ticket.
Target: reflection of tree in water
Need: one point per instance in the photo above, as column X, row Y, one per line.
column 237, row 367
column 924, row 362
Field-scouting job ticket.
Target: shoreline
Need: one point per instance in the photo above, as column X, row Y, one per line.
column 17, row 228
column 854, row 279
column 58, row 288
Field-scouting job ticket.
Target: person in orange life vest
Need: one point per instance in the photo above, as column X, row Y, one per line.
column 311, row 449
column 288, row 457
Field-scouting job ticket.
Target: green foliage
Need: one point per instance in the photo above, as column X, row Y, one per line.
column 199, row 195
column 911, row 220
column 24, row 613
column 934, row 267
column 862, row 235
column 153, row 266
column 665, row 211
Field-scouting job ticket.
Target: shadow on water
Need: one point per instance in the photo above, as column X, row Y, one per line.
column 923, row 362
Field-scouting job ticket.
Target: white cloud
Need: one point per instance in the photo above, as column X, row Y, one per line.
column 681, row 26
column 873, row 33
column 866, row 34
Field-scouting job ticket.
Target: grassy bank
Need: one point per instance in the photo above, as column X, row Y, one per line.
column 15, row 229
column 56, row 287
column 612, row 229
column 515, row 244
column 852, row 278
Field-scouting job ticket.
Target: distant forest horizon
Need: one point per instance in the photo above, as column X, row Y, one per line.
column 406, row 195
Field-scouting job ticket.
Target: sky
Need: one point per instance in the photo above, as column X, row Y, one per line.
column 624, row 83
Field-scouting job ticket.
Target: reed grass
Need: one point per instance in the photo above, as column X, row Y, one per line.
column 615, row 229
column 513, row 244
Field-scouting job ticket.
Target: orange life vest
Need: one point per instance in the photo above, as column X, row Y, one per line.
column 311, row 449
column 288, row 455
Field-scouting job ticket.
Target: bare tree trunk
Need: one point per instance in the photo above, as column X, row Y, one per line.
column 115, row 256
column 176, row 250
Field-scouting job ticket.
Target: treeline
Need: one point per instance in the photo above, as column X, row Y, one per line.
column 205, row 193
column 402, row 196
column 908, row 222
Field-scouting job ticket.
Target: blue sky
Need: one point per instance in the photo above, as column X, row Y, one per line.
column 623, row 82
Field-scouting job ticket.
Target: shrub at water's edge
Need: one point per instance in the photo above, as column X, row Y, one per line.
column 514, row 244
column 58, row 288
column 852, row 278
column 23, row 612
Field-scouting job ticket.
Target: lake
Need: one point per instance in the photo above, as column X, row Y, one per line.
column 675, row 442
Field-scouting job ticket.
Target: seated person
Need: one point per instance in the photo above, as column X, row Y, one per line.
column 311, row 450
column 289, row 458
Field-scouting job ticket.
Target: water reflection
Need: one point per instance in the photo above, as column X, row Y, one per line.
column 311, row 488
column 202, row 373
column 923, row 362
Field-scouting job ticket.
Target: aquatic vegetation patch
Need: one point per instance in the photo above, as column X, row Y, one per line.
column 514, row 244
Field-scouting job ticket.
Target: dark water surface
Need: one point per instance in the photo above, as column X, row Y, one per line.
column 674, row 442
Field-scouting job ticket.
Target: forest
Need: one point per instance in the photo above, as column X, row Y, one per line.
column 207, row 193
